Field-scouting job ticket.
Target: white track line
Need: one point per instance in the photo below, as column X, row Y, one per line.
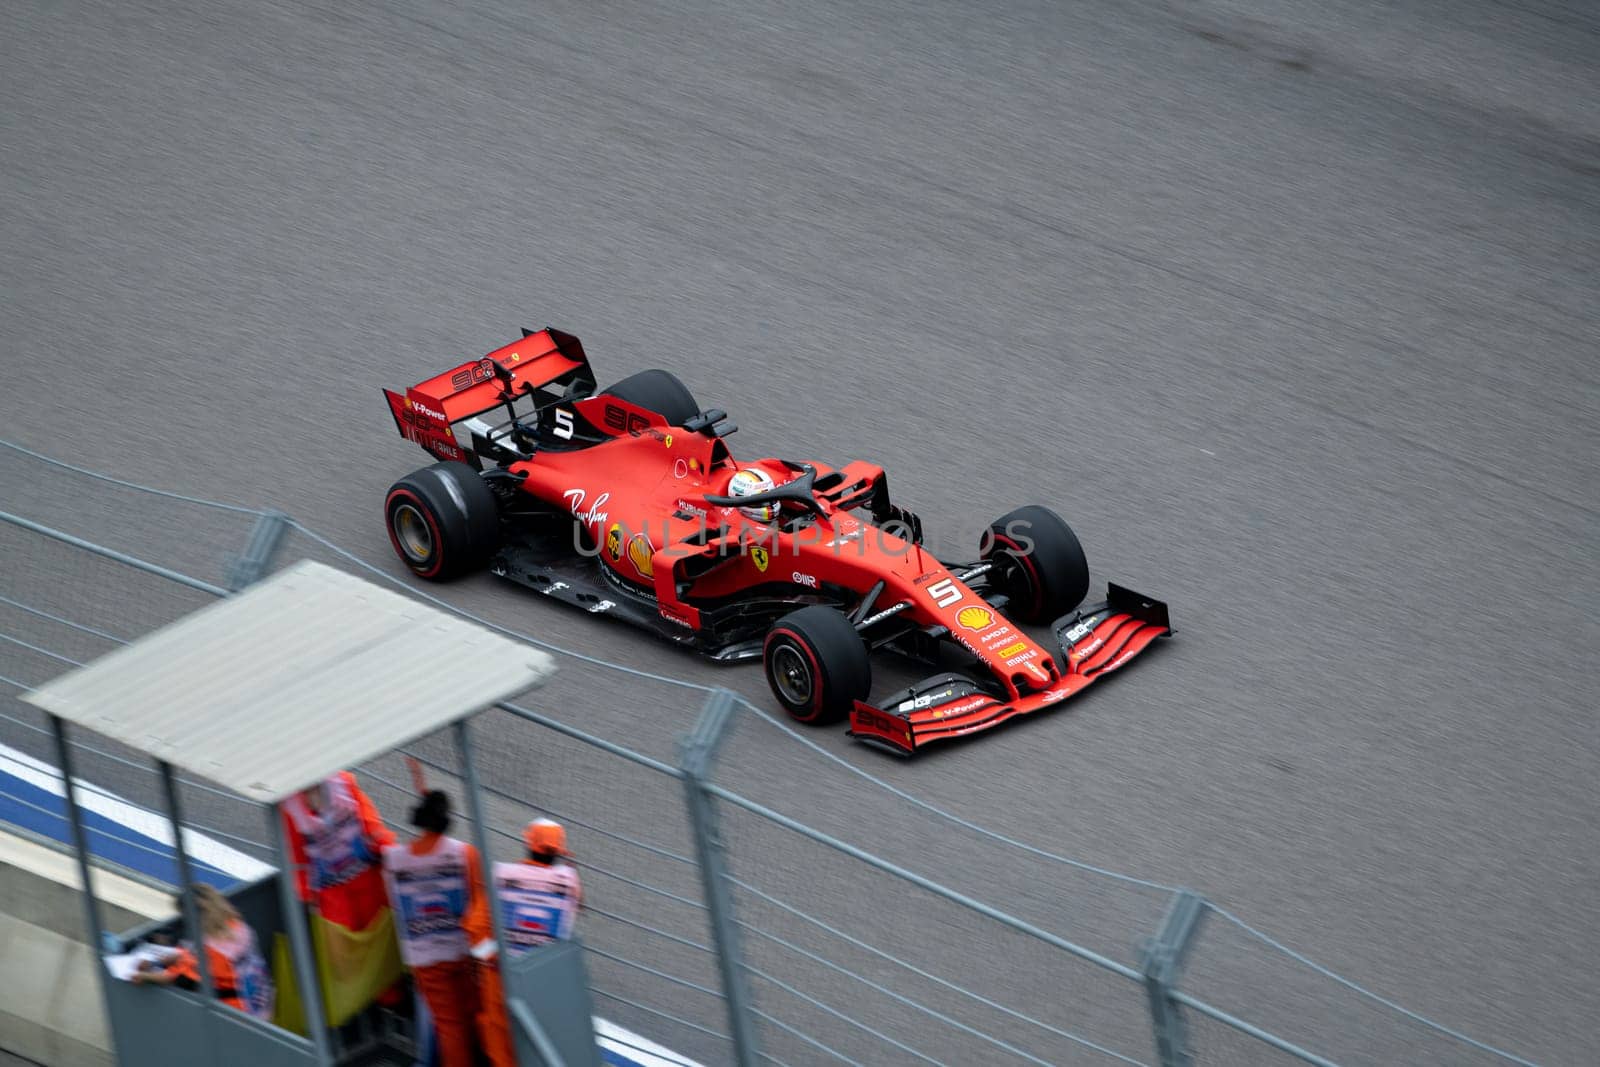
column 640, row 1050
column 141, row 821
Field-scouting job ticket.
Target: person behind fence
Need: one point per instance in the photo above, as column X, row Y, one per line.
column 433, row 884
column 539, row 899
column 238, row 971
column 335, row 835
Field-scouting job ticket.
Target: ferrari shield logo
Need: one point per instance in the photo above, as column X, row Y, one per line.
column 759, row 555
column 614, row 541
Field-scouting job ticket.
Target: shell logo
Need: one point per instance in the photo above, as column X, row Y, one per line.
column 976, row 619
column 639, row 552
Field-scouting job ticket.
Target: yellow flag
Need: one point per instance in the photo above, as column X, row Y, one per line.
column 354, row 966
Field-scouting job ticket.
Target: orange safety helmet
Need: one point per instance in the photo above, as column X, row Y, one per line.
column 544, row 836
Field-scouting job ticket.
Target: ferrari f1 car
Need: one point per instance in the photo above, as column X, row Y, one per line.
column 627, row 502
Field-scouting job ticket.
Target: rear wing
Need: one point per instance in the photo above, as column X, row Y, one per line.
column 547, row 360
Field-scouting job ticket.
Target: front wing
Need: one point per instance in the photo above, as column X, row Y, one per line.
column 1094, row 642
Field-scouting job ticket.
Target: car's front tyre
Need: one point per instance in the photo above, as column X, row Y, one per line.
column 1038, row 563
column 816, row 664
column 443, row 521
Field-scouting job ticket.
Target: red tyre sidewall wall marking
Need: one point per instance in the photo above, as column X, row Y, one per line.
column 817, row 680
column 426, row 512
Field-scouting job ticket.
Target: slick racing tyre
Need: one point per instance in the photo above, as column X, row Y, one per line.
column 816, row 664
column 1038, row 563
column 658, row 391
column 443, row 520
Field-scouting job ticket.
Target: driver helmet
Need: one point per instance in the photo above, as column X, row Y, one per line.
column 749, row 482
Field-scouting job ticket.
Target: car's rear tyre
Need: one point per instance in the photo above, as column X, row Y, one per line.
column 816, row 664
column 443, row 520
column 1038, row 563
column 658, row 391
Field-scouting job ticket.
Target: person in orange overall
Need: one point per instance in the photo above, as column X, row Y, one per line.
column 433, row 883
column 539, row 900
column 335, row 836
column 238, row 971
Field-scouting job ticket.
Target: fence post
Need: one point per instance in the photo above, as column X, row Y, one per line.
column 265, row 537
column 548, row 1055
column 190, row 906
column 1162, row 961
column 302, row 955
column 697, row 751
column 80, row 847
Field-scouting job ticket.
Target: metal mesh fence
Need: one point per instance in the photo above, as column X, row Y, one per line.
column 645, row 923
column 66, row 607
column 644, row 926
column 1242, row 975
column 197, row 538
column 1212, row 1042
column 859, row 959
column 765, row 763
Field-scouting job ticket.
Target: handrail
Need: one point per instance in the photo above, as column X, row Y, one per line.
column 112, row 554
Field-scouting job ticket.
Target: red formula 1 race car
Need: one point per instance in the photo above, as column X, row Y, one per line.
column 627, row 502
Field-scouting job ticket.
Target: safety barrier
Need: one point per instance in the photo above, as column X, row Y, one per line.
column 724, row 924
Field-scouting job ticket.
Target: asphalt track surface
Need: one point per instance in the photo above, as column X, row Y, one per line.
column 1291, row 309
